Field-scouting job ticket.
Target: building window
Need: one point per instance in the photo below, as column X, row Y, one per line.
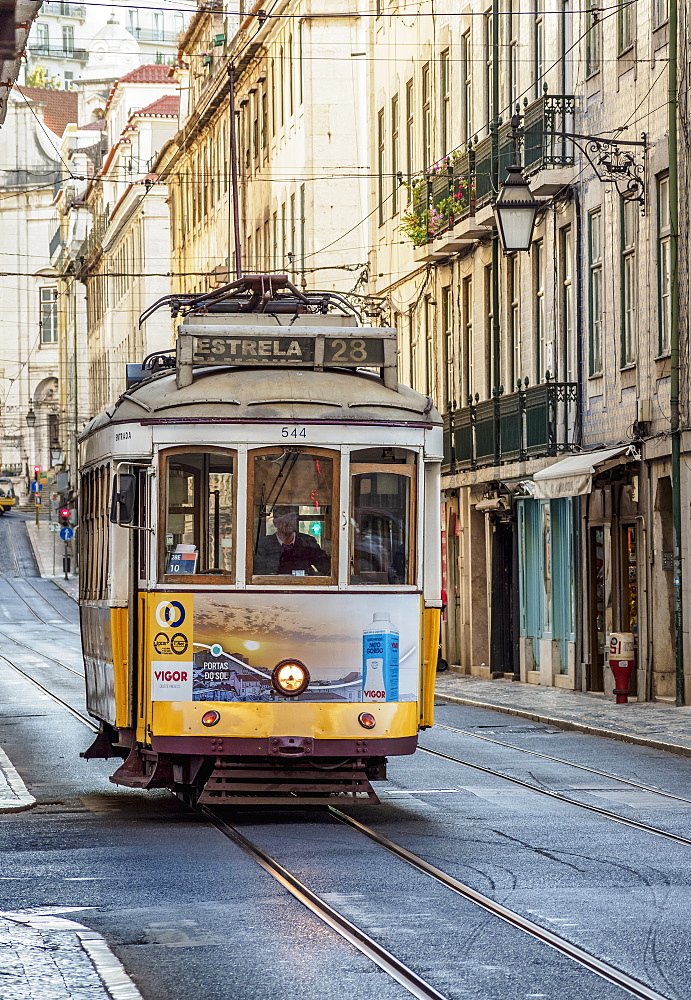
column 445, row 100
column 488, row 66
column 68, row 40
column 265, row 124
column 448, row 396
column 380, row 164
column 67, row 82
column 595, row 290
column 661, row 12
column 539, row 309
column 627, row 24
column 426, row 117
column 395, row 164
column 629, row 223
column 410, row 132
column 567, row 304
column 49, row 315
column 430, row 380
column 539, row 45
column 42, row 36
column 157, row 32
column 467, row 76
column 512, row 19
column 489, row 333
column 291, row 77
column 513, row 368
column 664, row 264
column 467, row 371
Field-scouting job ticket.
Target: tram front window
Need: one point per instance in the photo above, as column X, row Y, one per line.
column 199, row 514
column 381, row 520
column 292, row 513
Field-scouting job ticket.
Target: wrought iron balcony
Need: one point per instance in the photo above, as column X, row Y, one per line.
column 533, row 422
column 59, row 52
column 452, row 189
column 76, row 10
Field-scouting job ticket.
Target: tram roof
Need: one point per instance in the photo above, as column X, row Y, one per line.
column 256, row 394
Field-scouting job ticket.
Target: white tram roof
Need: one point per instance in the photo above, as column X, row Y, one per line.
column 257, row 394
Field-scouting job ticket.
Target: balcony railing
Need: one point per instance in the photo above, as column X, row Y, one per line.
column 94, row 236
column 61, row 52
column 533, row 422
column 77, row 10
column 152, row 34
column 454, row 188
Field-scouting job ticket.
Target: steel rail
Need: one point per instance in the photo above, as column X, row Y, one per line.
column 568, row 763
column 73, row 711
column 27, row 580
column 603, row 969
column 407, row 978
column 43, row 656
column 635, row 824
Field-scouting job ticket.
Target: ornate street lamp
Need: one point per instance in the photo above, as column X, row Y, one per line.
column 31, row 417
column 515, row 210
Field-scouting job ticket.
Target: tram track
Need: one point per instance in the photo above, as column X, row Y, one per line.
column 568, row 763
column 414, row 984
column 374, row 950
column 598, row 810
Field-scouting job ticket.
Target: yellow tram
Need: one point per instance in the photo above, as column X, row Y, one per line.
column 260, row 554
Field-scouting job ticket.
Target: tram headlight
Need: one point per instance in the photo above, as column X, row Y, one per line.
column 290, row 677
column 211, row 717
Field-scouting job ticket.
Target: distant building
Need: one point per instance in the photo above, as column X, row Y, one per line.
column 30, row 173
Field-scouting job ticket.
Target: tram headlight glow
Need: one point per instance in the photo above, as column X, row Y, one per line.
column 367, row 720
column 290, row 677
column 211, row 717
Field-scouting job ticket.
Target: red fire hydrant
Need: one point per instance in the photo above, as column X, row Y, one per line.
column 621, row 660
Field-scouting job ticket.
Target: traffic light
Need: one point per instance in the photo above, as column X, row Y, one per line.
column 65, row 514
column 37, row 472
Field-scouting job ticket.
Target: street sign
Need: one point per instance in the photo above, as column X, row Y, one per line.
column 54, row 528
column 66, row 534
column 36, row 487
column 37, row 499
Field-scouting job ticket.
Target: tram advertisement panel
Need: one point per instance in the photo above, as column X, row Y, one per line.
column 224, row 647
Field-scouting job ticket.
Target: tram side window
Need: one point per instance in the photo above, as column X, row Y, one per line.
column 94, row 533
column 292, row 514
column 382, row 503
column 200, row 514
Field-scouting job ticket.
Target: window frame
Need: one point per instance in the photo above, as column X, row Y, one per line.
column 593, row 42
column 410, row 470
column 626, row 26
column 54, row 316
column 260, row 581
column 595, row 267
column 664, row 240
column 164, row 578
column 629, row 298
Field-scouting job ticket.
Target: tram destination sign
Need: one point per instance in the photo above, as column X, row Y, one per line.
column 335, row 347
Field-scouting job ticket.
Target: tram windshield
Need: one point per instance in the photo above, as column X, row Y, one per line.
column 381, row 519
column 199, row 514
column 292, row 514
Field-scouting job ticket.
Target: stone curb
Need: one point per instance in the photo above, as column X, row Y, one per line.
column 60, row 584
column 22, row 797
column 578, row 727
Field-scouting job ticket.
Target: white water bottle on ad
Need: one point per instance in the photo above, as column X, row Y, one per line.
column 380, row 644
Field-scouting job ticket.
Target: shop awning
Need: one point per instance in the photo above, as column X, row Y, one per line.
column 573, row 476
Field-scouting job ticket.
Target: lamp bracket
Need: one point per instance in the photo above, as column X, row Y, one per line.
column 615, row 161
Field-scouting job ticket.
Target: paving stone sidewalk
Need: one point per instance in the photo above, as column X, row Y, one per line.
column 663, row 727
column 48, row 549
column 44, row 956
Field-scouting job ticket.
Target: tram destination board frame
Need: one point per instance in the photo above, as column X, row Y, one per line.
column 203, row 345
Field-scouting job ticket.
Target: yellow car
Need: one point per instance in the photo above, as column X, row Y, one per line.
column 7, row 495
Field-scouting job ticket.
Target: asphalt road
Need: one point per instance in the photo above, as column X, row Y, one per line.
column 192, row 918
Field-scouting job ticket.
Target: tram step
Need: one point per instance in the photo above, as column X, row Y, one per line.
column 232, row 782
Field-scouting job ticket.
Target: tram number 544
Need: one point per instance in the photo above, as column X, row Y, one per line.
column 293, row 432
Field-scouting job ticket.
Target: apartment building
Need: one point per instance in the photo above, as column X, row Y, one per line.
column 552, row 367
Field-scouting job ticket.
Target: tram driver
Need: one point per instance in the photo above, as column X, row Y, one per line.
column 290, row 551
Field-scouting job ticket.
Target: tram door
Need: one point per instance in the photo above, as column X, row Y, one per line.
column 139, row 562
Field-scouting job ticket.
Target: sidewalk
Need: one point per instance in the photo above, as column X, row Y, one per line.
column 659, row 726
column 46, row 956
column 48, row 549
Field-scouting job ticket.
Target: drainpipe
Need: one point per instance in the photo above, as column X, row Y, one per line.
column 674, row 360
